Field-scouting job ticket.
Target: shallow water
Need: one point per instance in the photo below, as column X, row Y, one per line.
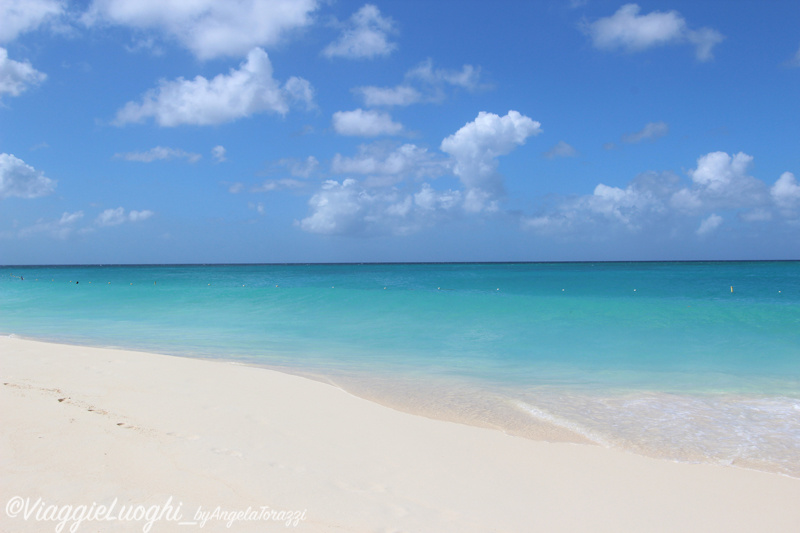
column 690, row 361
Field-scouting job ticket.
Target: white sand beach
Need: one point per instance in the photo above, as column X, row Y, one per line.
column 101, row 427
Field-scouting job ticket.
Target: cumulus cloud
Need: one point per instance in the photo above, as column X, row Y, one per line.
column 710, row 224
column 115, row 217
column 422, row 84
column 366, row 35
column 383, row 203
column 628, row 30
column 17, row 76
column 23, row 16
column 642, row 201
column 391, row 162
column 561, row 149
column 402, row 95
column 475, row 148
column 300, row 168
column 786, row 192
column 243, row 92
column 722, row 181
column 363, row 123
column 19, row 179
column 60, row 229
column 218, row 152
column 337, row 208
column 655, row 200
column 468, row 77
column 351, row 207
column 651, row 131
column 208, row 28
column 278, row 185
column 347, row 207
column 159, row 153
column 429, row 199
column 300, row 90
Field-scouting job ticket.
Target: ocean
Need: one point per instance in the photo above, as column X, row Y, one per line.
column 688, row 361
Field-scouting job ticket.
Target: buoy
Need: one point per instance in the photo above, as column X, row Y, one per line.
column 731, row 288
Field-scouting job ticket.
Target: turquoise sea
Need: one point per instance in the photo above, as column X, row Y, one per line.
column 692, row 361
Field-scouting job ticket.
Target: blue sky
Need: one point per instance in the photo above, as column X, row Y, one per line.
column 163, row 131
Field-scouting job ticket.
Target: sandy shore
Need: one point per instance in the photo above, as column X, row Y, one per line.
column 99, row 427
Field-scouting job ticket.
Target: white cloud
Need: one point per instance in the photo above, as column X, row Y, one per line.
column 468, row 77
column 60, row 228
column 277, row 185
column 402, row 95
column 642, row 201
column 16, row 76
column 235, row 188
column 628, row 30
column 786, row 192
column 363, row 123
column 366, row 35
column 21, row 180
column 429, row 199
column 300, row 168
column 377, row 205
column 704, row 40
column 249, row 90
column 209, row 28
column 657, row 200
column 722, row 181
column 561, row 149
column 115, row 217
column 218, row 152
column 477, row 145
column 651, row 131
column 136, row 216
column 349, row 208
column 20, row 16
column 159, row 153
column 300, row 90
column 337, row 208
column 408, row 160
column 710, row 224
column 423, row 83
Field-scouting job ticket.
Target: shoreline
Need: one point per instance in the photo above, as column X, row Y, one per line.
column 84, row 425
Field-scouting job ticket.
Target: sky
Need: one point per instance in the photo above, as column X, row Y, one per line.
column 271, row 131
